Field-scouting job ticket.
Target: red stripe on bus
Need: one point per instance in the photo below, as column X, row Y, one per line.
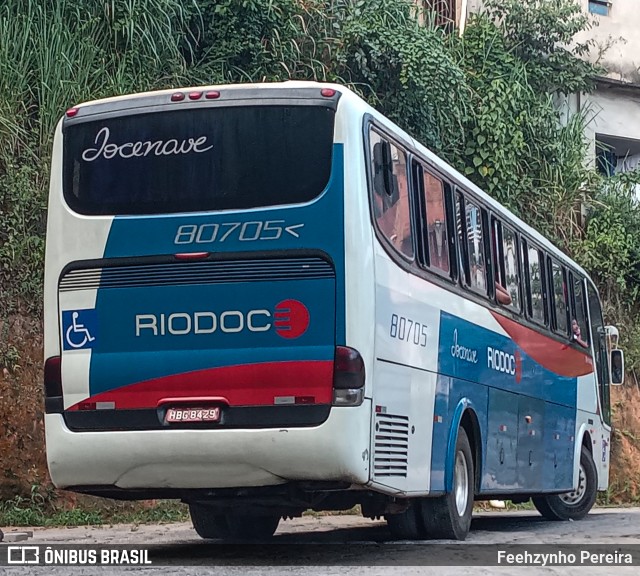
column 560, row 358
column 242, row 385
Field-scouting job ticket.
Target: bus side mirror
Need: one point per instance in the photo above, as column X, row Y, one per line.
column 617, row 367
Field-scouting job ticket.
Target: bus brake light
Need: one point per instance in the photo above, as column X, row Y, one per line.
column 195, row 95
column 53, row 385
column 212, row 95
column 177, row 97
column 328, row 92
column 348, row 377
column 72, row 112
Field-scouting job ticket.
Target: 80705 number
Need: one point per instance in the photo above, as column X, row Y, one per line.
column 408, row 330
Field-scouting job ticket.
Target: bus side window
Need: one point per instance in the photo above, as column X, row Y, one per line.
column 535, row 286
column 559, row 292
column 505, row 250
column 598, row 339
column 391, row 194
column 501, row 294
column 435, row 219
column 463, row 257
column 510, row 259
column 475, row 247
column 579, row 308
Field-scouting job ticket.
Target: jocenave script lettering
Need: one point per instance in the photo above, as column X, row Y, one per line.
column 136, row 149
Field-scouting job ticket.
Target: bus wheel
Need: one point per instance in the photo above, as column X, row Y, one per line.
column 572, row 505
column 252, row 526
column 449, row 516
column 206, row 524
column 406, row 525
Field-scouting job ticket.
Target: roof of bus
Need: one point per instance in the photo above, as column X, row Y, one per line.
column 363, row 107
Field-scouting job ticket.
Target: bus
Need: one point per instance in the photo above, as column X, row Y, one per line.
column 267, row 298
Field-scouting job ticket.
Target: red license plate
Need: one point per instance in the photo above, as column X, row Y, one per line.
column 176, row 415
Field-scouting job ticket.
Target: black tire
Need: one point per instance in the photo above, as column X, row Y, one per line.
column 251, row 527
column 449, row 516
column 406, row 525
column 573, row 505
column 207, row 524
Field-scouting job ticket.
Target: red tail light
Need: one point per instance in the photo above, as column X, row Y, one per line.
column 348, row 369
column 212, row 95
column 72, row 112
column 53, row 385
column 177, row 97
column 328, row 92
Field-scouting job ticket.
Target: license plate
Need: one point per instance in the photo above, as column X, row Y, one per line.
column 192, row 415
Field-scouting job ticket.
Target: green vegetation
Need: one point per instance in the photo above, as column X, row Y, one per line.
column 45, row 508
column 484, row 101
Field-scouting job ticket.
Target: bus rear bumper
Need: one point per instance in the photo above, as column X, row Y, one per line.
column 337, row 450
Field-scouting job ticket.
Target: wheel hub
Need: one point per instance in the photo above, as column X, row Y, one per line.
column 573, row 498
column 461, row 483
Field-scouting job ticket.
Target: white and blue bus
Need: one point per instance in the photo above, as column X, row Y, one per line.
column 261, row 299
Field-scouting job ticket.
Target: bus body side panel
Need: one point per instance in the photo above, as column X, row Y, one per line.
column 531, row 402
column 404, row 381
column 590, row 421
column 522, row 385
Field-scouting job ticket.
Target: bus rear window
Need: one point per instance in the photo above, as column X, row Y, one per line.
column 198, row 160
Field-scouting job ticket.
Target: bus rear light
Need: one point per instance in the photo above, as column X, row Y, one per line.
column 328, row 92
column 72, row 112
column 212, row 95
column 177, row 97
column 53, row 385
column 195, row 95
column 348, row 377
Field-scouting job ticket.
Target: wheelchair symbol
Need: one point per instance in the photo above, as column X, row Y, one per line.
column 77, row 334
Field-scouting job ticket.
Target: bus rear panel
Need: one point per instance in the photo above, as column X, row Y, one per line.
column 196, row 256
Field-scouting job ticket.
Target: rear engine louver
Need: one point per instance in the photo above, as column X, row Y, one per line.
column 391, row 448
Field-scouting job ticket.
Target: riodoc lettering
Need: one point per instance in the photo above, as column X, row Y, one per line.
column 289, row 319
column 137, row 149
column 501, row 361
column 462, row 352
column 181, row 323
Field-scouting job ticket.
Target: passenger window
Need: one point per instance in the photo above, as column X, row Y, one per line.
column 502, row 296
column 559, row 297
column 463, row 270
column 390, row 194
column 436, row 221
column 536, row 294
column 510, row 258
column 475, row 247
column 598, row 339
column 580, row 309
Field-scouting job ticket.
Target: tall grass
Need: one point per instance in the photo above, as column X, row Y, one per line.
column 53, row 55
column 56, row 53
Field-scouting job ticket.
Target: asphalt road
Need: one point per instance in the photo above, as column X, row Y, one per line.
column 336, row 544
